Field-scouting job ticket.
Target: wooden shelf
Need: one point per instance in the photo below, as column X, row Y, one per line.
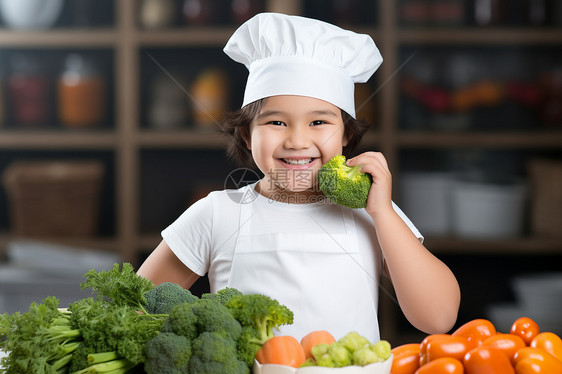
column 495, row 139
column 58, row 140
column 127, row 138
column 200, row 36
column 188, row 138
column 57, row 38
column 480, row 36
column 104, row 244
column 524, row 245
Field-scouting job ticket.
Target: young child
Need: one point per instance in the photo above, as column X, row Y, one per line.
column 279, row 236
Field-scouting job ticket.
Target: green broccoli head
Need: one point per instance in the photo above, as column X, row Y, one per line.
column 247, row 348
column 259, row 316
column 167, row 353
column 344, row 185
column 162, row 298
column 262, row 313
column 181, row 321
column 212, row 316
column 222, row 295
column 214, row 353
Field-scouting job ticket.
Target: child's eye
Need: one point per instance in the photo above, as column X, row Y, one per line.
column 317, row 122
column 276, row 123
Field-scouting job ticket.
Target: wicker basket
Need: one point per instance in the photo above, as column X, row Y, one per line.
column 54, row 198
column 546, row 197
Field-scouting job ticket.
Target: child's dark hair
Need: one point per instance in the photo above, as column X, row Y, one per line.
column 236, row 126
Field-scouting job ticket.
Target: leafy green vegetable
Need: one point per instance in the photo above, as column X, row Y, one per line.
column 344, row 185
column 39, row 340
column 120, row 284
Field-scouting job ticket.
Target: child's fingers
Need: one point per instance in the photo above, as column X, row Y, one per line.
column 368, row 158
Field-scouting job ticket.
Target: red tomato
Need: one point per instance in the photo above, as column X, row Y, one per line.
column 443, row 365
column 406, row 359
column 443, row 345
column 507, row 343
column 525, row 328
column 476, row 331
column 536, row 366
column 487, row 360
column 550, row 342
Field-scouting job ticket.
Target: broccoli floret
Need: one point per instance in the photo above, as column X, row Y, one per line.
column 214, row 353
column 167, row 353
column 212, row 316
column 223, row 295
column 344, row 185
column 162, row 298
column 181, row 321
column 259, row 316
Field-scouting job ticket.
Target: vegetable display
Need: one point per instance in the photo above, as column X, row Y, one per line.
column 478, row 348
column 344, row 185
column 129, row 325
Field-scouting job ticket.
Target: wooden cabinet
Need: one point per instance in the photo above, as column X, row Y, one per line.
column 144, row 164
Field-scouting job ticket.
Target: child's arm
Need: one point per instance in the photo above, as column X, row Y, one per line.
column 426, row 289
column 163, row 266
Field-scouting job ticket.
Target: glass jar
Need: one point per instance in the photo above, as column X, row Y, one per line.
column 27, row 91
column 211, row 93
column 156, row 14
column 81, row 93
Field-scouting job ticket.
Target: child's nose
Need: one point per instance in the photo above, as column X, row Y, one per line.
column 298, row 138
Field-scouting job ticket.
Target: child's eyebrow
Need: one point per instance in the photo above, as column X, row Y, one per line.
column 314, row 112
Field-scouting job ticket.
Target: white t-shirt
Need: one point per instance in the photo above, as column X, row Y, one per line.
column 204, row 236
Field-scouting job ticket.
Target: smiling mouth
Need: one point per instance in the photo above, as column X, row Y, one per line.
column 301, row 161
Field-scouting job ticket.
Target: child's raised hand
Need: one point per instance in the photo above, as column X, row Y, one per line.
column 380, row 194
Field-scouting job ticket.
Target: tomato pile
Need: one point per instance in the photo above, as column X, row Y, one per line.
column 477, row 348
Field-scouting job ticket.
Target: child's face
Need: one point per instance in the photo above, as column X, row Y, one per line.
column 291, row 138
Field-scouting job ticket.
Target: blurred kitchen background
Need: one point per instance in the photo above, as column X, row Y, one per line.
column 103, row 144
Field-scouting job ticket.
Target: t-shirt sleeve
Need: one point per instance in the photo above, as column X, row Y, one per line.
column 190, row 235
column 408, row 222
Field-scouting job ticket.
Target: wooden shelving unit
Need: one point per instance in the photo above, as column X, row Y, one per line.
column 127, row 139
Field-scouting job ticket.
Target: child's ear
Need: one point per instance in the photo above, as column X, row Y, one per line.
column 345, row 141
column 244, row 133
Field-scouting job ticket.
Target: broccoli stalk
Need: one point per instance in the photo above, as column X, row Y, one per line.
column 344, row 185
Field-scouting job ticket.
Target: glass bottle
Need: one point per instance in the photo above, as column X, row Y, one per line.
column 28, row 91
column 81, row 93
column 489, row 12
column 199, row 12
column 243, row 10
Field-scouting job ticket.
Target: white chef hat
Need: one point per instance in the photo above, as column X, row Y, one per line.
column 292, row 55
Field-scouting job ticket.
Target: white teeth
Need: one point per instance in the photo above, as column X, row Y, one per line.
column 303, row 161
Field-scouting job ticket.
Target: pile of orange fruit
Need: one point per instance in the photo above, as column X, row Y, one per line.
column 477, row 348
